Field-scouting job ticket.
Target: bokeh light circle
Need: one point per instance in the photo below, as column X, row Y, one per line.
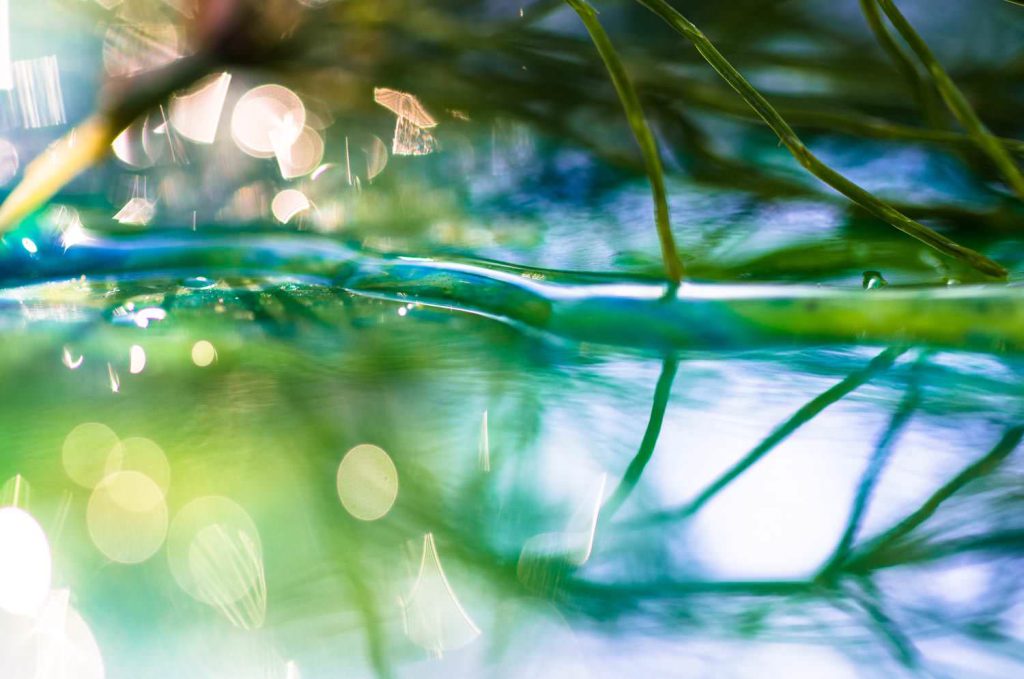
column 127, row 517
column 367, row 482
column 26, row 565
column 86, row 451
column 266, row 119
column 214, row 551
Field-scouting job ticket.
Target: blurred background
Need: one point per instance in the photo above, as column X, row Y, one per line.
column 223, row 458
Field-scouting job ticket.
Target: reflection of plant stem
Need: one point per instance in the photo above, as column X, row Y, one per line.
column 636, row 467
column 681, row 588
column 805, row 414
column 803, row 155
column 866, row 558
column 879, row 457
column 904, row 650
column 642, row 132
column 1002, row 542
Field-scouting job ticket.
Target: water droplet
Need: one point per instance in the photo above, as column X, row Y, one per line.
column 873, row 280
column 198, row 283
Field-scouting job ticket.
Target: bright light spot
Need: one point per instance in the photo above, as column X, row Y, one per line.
column 203, row 353
column 115, row 379
column 139, row 46
column 288, row 203
column 320, row 170
column 484, row 448
column 141, row 455
column 794, row 661
column 39, row 96
column 411, row 135
column 367, row 482
column 196, row 115
column 960, row 584
column 69, row 361
column 54, row 644
column 6, row 75
column 73, row 232
column 266, row 118
column 136, row 359
column 8, row 159
column 301, row 156
column 138, row 211
column 412, row 140
column 25, row 562
column 127, row 517
column 86, row 451
column 573, row 545
column 29, row 245
column 376, row 157
column 129, row 146
column 15, row 492
column 402, row 311
column 434, row 618
column 404, row 105
column 143, row 317
column 780, row 519
column 215, row 555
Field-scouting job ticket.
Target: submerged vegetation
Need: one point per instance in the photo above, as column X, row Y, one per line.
column 618, row 304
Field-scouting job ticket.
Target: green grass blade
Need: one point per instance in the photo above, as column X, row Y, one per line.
column 955, row 100
column 644, row 138
column 808, row 160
